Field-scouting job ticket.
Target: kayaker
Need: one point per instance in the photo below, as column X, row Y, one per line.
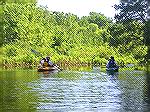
column 50, row 63
column 42, row 61
column 45, row 64
column 111, row 63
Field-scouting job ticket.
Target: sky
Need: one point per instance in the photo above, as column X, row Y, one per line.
column 81, row 7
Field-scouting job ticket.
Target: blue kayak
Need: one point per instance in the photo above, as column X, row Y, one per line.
column 114, row 69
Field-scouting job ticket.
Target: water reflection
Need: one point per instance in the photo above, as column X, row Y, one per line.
column 48, row 73
column 93, row 91
column 15, row 93
column 132, row 87
column 147, row 91
column 69, row 90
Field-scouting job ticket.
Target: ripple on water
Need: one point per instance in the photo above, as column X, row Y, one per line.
column 88, row 93
column 92, row 92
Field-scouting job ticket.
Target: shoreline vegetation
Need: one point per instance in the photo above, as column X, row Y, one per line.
column 74, row 66
column 68, row 39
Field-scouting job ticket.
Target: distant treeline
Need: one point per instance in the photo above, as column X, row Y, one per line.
column 67, row 38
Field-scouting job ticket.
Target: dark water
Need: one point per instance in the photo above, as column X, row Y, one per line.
column 77, row 91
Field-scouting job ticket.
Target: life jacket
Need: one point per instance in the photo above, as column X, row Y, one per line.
column 45, row 64
column 111, row 63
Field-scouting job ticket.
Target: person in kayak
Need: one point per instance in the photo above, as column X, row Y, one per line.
column 45, row 62
column 111, row 63
column 42, row 61
column 50, row 63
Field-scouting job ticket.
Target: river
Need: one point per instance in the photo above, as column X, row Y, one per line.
column 84, row 90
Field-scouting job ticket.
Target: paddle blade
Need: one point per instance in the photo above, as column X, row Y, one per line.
column 34, row 51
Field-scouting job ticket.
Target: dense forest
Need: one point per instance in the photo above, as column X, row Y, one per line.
column 66, row 38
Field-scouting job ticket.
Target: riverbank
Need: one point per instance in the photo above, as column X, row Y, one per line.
column 74, row 66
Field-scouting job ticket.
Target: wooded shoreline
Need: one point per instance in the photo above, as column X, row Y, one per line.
column 66, row 37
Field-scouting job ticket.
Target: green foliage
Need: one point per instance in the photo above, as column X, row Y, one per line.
column 132, row 10
column 135, row 10
column 147, row 33
column 68, row 39
column 124, row 34
column 17, row 1
column 99, row 19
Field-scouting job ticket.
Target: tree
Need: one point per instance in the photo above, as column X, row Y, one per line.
column 131, row 10
column 1, row 25
column 136, row 10
column 65, row 36
column 17, row 1
column 2, row 5
column 99, row 19
column 147, row 4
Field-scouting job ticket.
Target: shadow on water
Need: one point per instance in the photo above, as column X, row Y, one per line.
column 147, row 88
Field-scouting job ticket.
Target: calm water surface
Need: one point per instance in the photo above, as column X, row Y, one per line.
column 74, row 90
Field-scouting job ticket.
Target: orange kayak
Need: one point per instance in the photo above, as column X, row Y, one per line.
column 42, row 69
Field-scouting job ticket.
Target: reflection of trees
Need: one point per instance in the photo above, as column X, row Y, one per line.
column 147, row 88
column 14, row 92
column 132, row 86
column 8, row 90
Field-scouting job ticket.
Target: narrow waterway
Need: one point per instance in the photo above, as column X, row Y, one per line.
column 71, row 90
